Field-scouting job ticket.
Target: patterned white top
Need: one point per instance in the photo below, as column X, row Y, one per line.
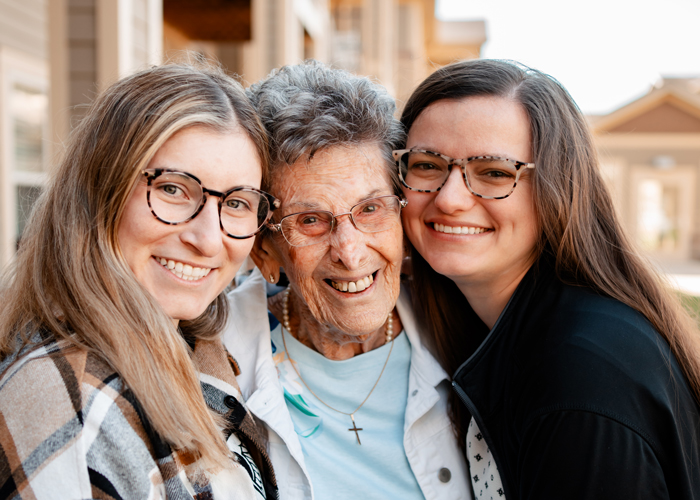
column 485, row 478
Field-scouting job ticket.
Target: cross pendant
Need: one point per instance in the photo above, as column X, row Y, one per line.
column 355, row 428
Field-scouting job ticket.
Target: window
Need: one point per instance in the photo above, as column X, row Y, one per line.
column 28, row 115
column 24, row 127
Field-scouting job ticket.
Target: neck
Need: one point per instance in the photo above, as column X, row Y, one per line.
column 327, row 339
column 489, row 298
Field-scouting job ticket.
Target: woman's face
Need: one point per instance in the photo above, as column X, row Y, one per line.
column 199, row 247
column 505, row 231
column 335, row 180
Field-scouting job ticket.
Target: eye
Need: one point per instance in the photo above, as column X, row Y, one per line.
column 492, row 170
column 236, row 204
column 309, row 219
column 369, row 208
column 497, row 174
column 172, row 190
column 424, row 165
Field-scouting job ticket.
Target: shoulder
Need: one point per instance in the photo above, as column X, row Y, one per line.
column 68, row 419
column 600, row 330
column 596, row 355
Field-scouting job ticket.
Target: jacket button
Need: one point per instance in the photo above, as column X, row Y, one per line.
column 444, row 475
column 415, row 391
column 230, row 402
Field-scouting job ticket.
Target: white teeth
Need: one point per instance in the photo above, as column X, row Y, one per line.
column 441, row 228
column 353, row 286
column 184, row 271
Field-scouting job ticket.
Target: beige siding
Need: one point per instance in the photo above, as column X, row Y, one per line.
column 140, row 34
column 82, row 65
column 23, row 26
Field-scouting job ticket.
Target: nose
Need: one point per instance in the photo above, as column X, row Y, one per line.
column 454, row 195
column 204, row 231
column 348, row 245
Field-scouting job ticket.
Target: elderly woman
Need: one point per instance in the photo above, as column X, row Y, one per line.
column 355, row 405
column 114, row 382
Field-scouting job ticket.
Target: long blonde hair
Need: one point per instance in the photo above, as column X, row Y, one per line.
column 69, row 278
column 579, row 226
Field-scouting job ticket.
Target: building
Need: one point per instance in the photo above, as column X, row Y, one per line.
column 55, row 55
column 650, row 154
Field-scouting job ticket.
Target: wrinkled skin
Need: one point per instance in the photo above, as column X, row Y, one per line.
column 338, row 325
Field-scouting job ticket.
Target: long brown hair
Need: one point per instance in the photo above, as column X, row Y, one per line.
column 575, row 212
column 69, row 278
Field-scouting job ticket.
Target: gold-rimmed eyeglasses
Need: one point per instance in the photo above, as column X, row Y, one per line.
column 369, row 216
column 489, row 177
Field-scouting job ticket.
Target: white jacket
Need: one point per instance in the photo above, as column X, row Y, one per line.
column 431, row 448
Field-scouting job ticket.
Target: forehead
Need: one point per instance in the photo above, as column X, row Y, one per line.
column 472, row 126
column 336, row 177
column 221, row 160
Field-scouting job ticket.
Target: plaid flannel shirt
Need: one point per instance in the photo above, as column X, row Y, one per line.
column 70, row 429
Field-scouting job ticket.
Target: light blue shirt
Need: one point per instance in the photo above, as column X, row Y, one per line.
column 339, row 467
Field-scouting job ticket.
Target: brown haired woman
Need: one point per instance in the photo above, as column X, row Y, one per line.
column 577, row 372
column 114, row 383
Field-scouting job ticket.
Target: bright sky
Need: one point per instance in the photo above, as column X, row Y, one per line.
column 605, row 52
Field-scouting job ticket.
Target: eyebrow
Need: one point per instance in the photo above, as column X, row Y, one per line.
column 185, row 172
column 433, row 150
column 305, row 205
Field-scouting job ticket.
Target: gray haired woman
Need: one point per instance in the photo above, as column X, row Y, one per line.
column 354, row 404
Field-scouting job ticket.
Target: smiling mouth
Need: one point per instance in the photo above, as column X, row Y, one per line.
column 183, row 271
column 353, row 286
column 442, row 228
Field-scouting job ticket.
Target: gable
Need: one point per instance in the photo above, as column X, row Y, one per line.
column 666, row 117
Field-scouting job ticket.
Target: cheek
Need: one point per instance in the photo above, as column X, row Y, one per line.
column 300, row 264
column 237, row 250
column 411, row 220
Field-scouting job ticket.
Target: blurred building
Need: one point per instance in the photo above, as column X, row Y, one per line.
column 650, row 154
column 398, row 42
column 55, row 55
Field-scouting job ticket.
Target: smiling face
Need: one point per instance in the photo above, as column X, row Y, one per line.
column 335, row 180
column 185, row 266
column 495, row 243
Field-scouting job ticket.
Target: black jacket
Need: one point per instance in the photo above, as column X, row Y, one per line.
column 578, row 397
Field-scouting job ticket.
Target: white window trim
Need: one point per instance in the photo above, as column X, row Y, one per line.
column 29, row 71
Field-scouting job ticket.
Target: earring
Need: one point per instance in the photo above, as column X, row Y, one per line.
column 272, row 279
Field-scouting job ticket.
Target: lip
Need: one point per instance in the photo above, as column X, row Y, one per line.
column 200, row 272
column 373, row 275
column 465, row 229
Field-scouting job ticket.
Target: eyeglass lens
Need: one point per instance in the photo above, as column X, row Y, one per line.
column 176, row 197
column 491, row 177
column 370, row 216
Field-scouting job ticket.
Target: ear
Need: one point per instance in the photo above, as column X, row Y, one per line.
column 265, row 256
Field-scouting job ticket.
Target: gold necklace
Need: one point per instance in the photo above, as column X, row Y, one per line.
column 389, row 338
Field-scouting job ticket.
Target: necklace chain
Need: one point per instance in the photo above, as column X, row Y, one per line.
column 389, row 338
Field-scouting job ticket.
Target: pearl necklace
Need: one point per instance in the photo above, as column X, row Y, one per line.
column 389, row 337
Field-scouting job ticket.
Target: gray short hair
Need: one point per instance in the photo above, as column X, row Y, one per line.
column 308, row 107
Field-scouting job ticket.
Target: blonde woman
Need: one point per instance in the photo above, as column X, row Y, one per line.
column 114, row 383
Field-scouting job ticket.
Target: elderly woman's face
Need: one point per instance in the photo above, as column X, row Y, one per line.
column 335, row 180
